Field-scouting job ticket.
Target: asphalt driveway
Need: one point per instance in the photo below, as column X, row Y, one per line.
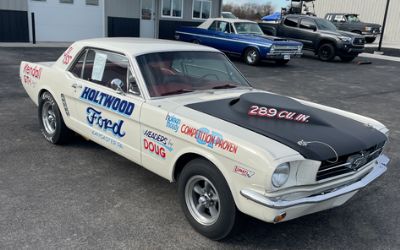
column 84, row 196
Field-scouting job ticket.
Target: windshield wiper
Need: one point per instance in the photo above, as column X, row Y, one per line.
column 179, row 91
column 225, row 86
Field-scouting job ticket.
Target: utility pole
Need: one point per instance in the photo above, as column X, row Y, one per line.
column 383, row 26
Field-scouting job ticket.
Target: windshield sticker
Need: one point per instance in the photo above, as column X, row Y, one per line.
column 209, row 138
column 107, row 101
column 94, row 118
column 173, row 122
column 99, row 64
column 277, row 114
column 67, row 56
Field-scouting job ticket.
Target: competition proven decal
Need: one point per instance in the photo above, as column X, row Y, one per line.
column 107, row 101
column 277, row 114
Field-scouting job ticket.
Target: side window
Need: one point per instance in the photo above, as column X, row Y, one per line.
column 213, row 26
column 339, row 18
column 291, row 21
column 307, row 23
column 223, row 27
column 103, row 67
column 78, row 67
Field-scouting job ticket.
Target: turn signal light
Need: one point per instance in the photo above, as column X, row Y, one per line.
column 280, row 217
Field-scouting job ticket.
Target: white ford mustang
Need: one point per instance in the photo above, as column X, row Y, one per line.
column 185, row 112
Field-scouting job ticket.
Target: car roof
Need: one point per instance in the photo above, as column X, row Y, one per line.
column 343, row 14
column 303, row 16
column 139, row 46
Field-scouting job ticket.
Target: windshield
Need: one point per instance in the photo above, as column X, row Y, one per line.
column 325, row 25
column 248, row 28
column 353, row 18
column 170, row 73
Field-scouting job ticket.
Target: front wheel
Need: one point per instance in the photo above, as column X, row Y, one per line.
column 50, row 120
column 347, row 58
column 206, row 199
column 251, row 56
column 326, row 52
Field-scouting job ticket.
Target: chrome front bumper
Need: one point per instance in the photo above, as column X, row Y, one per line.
column 377, row 171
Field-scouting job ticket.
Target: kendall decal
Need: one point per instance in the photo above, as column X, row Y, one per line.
column 31, row 74
column 277, row 114
column 67, row 56
column 107, row 101
column 94, row 118
column 203, row 136
column 173, row 122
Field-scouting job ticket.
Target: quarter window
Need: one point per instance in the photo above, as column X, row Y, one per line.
column 172, row 8
column 291, row 21
column 201, row 9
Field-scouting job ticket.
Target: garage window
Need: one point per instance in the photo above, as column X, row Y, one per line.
column 67, row 1
column 172, row 8
column 92, row 2
column 201, row 9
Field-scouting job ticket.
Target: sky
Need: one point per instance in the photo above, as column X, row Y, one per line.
column 276, row 3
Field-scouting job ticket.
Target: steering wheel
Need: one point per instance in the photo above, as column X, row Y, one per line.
column 210, row 74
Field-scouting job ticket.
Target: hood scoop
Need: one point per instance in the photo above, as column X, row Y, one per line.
column 294, row 124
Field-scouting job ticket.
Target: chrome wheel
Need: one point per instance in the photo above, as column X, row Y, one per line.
column 202, row 200
column 49, row 117
column 252, row 56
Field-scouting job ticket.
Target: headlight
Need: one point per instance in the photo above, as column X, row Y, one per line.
column 345, row 38
column 368, row 28
column 281, row 174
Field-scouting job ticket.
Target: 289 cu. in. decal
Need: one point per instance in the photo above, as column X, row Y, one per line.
column 277, row 114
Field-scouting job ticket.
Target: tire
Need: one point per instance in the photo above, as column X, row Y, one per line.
column 251, row 56
column 218, row 216
column 326, row 52
column 347, row 58
column 370, row 39
column 51, row 122
column 281, row 62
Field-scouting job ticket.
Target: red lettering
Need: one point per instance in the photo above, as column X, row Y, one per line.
column 154, row 148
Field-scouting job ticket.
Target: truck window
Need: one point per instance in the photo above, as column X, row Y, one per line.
column 307, row 23
column 291, row 21
column 339, row 18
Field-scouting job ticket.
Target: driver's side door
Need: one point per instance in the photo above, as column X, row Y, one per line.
column 105, row 111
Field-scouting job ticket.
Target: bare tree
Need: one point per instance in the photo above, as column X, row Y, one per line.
column 251, row 11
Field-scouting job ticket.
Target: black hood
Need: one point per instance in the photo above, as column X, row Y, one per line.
column 291, row 122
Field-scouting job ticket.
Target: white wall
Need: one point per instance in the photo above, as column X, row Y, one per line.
column 61, row 22
column 370, row 11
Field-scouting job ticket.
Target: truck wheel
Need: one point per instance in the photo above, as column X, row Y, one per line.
column 326, row 52
column 51, row 122
column 206, row 199
column 370, row 39
column 251, row 56
column 347, row 58
column 281, row 62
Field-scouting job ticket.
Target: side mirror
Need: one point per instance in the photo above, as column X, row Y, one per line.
column 117, row 84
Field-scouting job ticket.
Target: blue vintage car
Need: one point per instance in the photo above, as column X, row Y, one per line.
column 240, row 37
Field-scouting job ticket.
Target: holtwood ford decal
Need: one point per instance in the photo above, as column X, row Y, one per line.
column 107, row 101
column 203, row 136
column 94, row 118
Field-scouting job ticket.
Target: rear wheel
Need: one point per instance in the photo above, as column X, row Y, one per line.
column 51, row 122
column 281, row 62
column 370, row 39
column 326, row 52
column 251, row 56
column 206, row 199
column 347, row 58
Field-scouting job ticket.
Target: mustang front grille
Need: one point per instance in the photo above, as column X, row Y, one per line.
column 348, row 163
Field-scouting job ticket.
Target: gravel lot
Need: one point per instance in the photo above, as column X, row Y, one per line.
column 84, row 196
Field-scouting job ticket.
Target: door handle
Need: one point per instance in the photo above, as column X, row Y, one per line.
column 76, row 86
